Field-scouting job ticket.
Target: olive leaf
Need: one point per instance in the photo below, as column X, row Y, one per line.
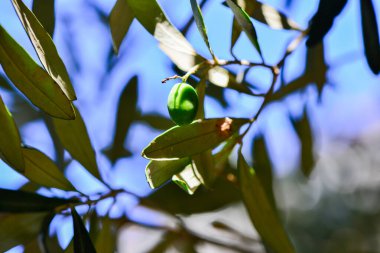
column 323, row 20
column 20, row 229
column 303, row 129
column 82, row 241
column 246, row 24
column 203, row 166
column 120, row 20
column 127, row 113
column 41, row 170
column 261, row 211
column 106, row 238
column 370, row 32
column 188, row 140
column 45, row 13
column 197, row 12
column 32, row 80
column 75, row 139
column 25, row 202
column 187, row 180
column 156, row 121
column 10, row 141
column 45, row 48
column 159, row 172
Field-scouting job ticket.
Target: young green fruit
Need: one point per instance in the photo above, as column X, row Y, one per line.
column 182, row 103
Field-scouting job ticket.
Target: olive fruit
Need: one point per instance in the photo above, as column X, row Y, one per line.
column 182, row 103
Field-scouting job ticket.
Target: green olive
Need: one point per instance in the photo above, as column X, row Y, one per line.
column 182, row 103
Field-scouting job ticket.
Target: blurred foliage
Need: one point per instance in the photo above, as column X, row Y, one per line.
column 199, row 157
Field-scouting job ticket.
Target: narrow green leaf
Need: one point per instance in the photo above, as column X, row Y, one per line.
column 156, row 121
column 201, row 91
column 33, row 247
column 120, row 20
column 171, row 41
column 32, row 80
column 303, row 129
column 197, row 12
column 23, row 202
column 41, row 170
column 126, row 115
column 74, row 137
column 235, row 34
column 246, row 24
column 5, row 84
column 370, row 32
column 260, row 210
column 204, row 169
column 323, row 19
column 45, row 48
column 268, row 15
column 159, row 172
column 316, row 67
column 187, row 180
column 10, row 141
column 263, row 167
column 175, row 201
column 106, row 238
column 188, row 140
column 45, row 13
column 19, row 229
column 82, row 241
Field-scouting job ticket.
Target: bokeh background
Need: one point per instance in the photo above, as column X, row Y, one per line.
column 336, row 210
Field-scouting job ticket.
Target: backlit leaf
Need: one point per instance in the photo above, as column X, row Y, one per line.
column 24, row 202
column 235, row 34
column 45, row 48
column 74, row 138
column 159, row 172
column 10, row 141
column 245, row 22
column 19, row 229
column 187, row 180
column 41, row 170
column 203, row 166
column 188, row 140
column 45, row 13
column 370, row 32
column 106, row 238
column 197, row 12
column 126, row 114
column 171, row 41
column 323, row 20
column 260, row 210
column 156, row 121
column 32, row 80
column 82, row 241
column 120, row 20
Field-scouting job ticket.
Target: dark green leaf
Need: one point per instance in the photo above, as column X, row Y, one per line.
column 316, row 67
column 41, row 170
column 45, row 48
column 10, row 141
column 19, row 229
column 188, row 140
column 203, row 166
column 156, row 121
column 323, row 20
column 197, row 12
column 120, row 20
column 303, row 129
column 33, row 247
column 82, row 241
column 106, row 238
column 32, row 80
column 44, row 11
column 126, row 114
column 173, row 200
column 172, row 42
column 24, row 202
column 235, row 34
column 4, row 83
column 263, row 167
column 159, row 172
column 187, row 180
column 246, row 24
column 371, row 39
column 260, row 210
column 74, row 138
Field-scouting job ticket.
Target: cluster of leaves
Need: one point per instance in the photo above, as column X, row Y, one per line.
column 181, row 153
